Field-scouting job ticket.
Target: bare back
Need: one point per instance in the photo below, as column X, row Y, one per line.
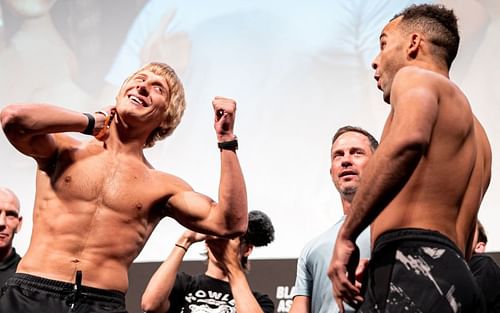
column 94, row 211
column 446, row 187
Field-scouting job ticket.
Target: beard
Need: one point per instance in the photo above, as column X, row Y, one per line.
column 348, row 191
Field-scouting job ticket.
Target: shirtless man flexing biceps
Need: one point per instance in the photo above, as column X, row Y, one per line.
column 97, row 202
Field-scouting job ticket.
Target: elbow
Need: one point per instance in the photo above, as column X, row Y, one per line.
column 147, row 307
column 235, row 233
column 12, row 119
column 236, row 229
column 8, row 115
column 151, row 305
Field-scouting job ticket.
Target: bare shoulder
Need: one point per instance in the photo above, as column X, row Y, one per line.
column 66, row 141
column 413, row 83
column 415, row 77
column 418, row 83
column 176, row 195
column 170, row 182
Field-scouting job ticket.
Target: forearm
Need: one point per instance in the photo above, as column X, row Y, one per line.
column 36, row 119
column 156, row 296
column 232, row 194
column 242, row 294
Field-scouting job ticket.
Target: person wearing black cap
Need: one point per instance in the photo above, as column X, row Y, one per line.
column 223, row 286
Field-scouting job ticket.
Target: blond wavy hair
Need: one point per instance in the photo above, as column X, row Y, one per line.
column 176, row 104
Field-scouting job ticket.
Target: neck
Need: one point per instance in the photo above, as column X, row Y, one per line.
column 346, row 204
column 216, row 272
column 5, row 253
column 433, row 66
column 124, row 139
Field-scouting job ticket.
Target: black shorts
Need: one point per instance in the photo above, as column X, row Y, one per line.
column 415, row 270
column 25, row 293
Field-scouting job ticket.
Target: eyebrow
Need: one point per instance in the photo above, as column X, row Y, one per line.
column 158, row 81
column 382, row 35
column 11, row 212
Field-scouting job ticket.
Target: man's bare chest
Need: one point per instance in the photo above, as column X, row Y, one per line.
column 113, row 183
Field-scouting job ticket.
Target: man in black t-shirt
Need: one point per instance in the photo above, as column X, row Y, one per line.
column 223, row 288
column 485, row 270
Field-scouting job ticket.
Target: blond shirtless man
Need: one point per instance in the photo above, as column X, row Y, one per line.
column 423, row 186
column 98, row 201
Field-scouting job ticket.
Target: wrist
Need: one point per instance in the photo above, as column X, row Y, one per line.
column 184, row 242
column 90, row 124
column 234, row 271
column 228, row 143
column 182, row 247
column 97, row 120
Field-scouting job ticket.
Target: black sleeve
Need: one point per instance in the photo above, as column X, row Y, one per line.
column 177, row 296
column 487, row 274
column 265, row 302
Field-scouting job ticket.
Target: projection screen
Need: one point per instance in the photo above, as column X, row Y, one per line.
column 299, row 70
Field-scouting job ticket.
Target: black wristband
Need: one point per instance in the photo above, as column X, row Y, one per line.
column 229, row 145
column 182, row 247
column 90, row 126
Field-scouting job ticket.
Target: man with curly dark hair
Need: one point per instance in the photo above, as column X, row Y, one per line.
column 222, row 286
column 422, row 189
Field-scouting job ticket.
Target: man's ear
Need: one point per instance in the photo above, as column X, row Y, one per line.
column 480, row 247
column 414, row 45
column 248, row 249
column 19, row 226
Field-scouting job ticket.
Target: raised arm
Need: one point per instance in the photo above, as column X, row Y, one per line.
column 229, row 253
column 30, row 127
column 228, row 217
column 155, row 298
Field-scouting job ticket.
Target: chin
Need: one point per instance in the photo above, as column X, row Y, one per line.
column 347, row 190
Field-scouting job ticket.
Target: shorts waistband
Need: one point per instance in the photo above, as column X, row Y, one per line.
column 62, row 287
column 417, row 234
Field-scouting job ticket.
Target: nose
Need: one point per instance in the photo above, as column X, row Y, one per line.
column 142, row 89
column 375, row 62
column 346, row 161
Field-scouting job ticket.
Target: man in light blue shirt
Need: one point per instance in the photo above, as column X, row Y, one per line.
column 352, row 147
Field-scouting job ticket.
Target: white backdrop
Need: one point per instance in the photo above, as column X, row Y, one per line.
column 298, row 69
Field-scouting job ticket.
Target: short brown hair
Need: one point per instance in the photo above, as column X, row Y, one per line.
column 348, row 128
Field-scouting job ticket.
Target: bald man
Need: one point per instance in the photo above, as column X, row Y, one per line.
column 10, row 224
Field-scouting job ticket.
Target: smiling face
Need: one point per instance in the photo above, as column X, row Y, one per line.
column 391, row 57
column 153, row 84
column 350, row 153
column 143, row 99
